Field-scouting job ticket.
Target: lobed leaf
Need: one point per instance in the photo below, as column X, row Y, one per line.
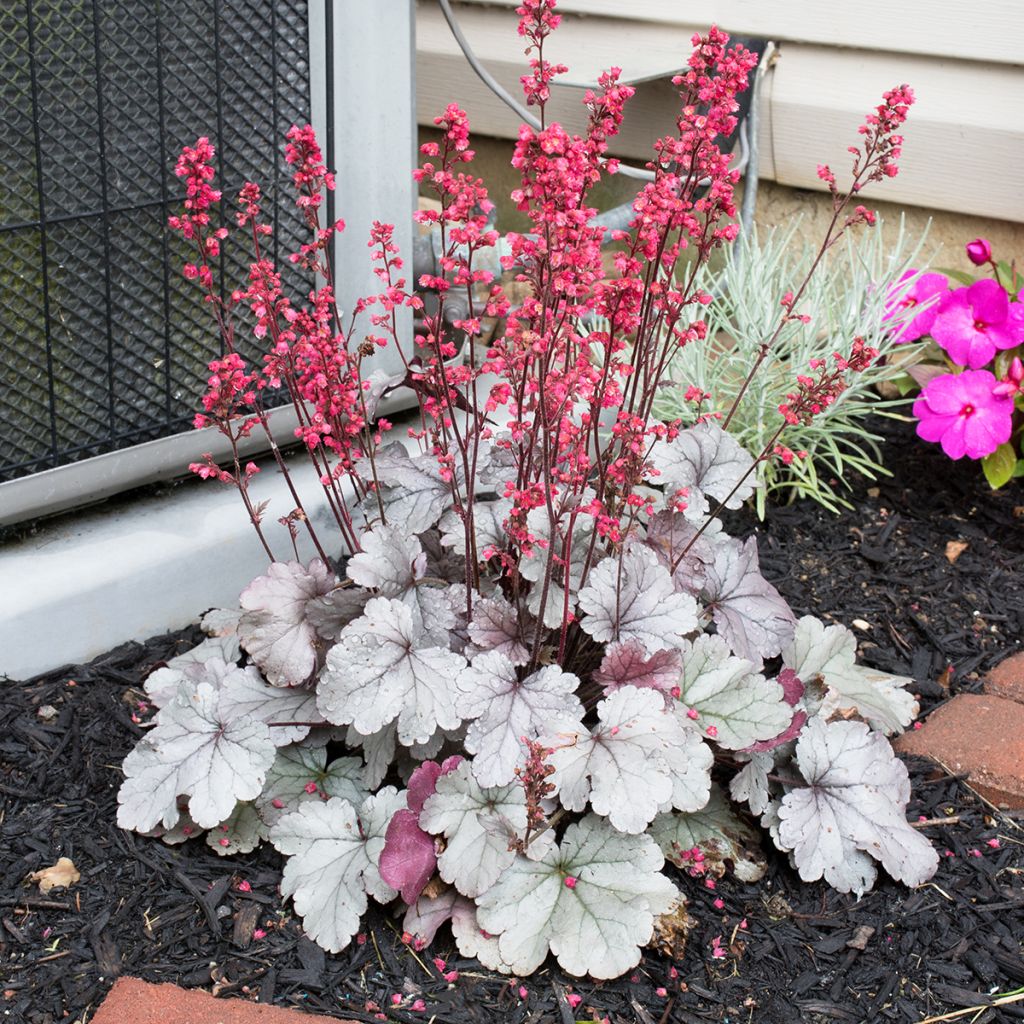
column 332, row 853
column 597, row 925
column 274, row 628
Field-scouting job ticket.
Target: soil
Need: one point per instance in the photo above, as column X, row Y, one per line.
column 793, row 951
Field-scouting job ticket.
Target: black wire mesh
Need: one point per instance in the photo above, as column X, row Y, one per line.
column 103, row 344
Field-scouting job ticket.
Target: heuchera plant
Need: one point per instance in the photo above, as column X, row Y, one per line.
column 504, row 704
column 976, row 328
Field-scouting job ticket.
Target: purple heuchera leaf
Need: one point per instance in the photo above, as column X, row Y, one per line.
column 792, row 686
column 628, row 664
column 409, row 857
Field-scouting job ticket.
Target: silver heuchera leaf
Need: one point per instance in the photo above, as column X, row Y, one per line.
column 378, row 752
column 382, row 669
column 628, row 664
column 332, row 863
column 854, row 804
column 708, row 462
column 390, row 562
column 195, row 750
column 414, row 492
column 507, row 709
column 624, row 766
column 244, row 692
column 750, row 784
column 533, row 567
column 274, row 628
column 748, row 611
column 718, row 833
column 632, row 598
column 241, row 832
column 300, row 773
column 162, row 685
column 598, row 924
column 474, row 857
column 330, row 614
column 496, row 627
column 828, row 654
column 488, row 528
column 668, row 534
column 730, row 696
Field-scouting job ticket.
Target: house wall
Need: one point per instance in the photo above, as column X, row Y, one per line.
column 964, row 149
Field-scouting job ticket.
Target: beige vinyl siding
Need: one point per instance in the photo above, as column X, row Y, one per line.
column 965, row 140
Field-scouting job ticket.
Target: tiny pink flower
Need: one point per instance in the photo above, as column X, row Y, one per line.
column 451, row 977
column 244, row 886
column 573, row 999
column 964, row 414
column 419, row 1006
column 661, row 992
column 396, row 998
column 974, row 323
column 713, row 731
column 524, row 992
column 994, row 843
column 979, row 252
column 719, row 903
column 259, row 933
column 570, row 881
column 310, row 788
column 224, row 842
column 974, row 853
column 693, row 714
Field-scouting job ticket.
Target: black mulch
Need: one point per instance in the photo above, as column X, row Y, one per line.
column 795, row 952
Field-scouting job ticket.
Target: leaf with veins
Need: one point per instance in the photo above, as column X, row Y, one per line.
column 298, row 767
column 332, row 855
column 162, row 685
column 730, row 695
column 390, row 562
column 506, row 709
column 533, row 567
column 414, row 492
column 627, row 663
column 488, row 528
column 854, row 804
column 195, row 750
column 244, row 692
column 330, row 614
column 241, row 832
column 829, row 654
column 706, row 460
column 748, row 611
column 622, row 766
column 597, row 926
column 689, row 762
column 378, row 752
column 750, row 784
column 495, row 627
column 274, row 628
column 383, row 668
column 718, row 833
column 636, row 601
column 668, row 534
column 475, row 856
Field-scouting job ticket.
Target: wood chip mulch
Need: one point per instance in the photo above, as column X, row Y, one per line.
column 793, row 952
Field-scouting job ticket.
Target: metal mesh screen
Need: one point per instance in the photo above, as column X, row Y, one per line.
column 103, row 344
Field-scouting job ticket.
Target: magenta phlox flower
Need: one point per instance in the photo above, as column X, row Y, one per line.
column 974, row 323
column 921, row 296
column 964, row 414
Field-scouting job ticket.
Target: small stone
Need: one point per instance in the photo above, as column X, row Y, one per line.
column 47, row 712
column 861, row 624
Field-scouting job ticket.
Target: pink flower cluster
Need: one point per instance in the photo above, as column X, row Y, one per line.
column 980, row 328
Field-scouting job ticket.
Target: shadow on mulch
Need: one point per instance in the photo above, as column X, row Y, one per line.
column 795, row 952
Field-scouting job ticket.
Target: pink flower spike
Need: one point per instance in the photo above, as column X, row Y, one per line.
column 964, row 414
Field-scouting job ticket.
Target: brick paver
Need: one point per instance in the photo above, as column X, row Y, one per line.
column 132, row 1001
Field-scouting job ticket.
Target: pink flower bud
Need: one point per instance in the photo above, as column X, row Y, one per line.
column 979, row 252
column 570, row 882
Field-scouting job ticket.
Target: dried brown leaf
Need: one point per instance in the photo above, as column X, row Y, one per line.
column 61, row 875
